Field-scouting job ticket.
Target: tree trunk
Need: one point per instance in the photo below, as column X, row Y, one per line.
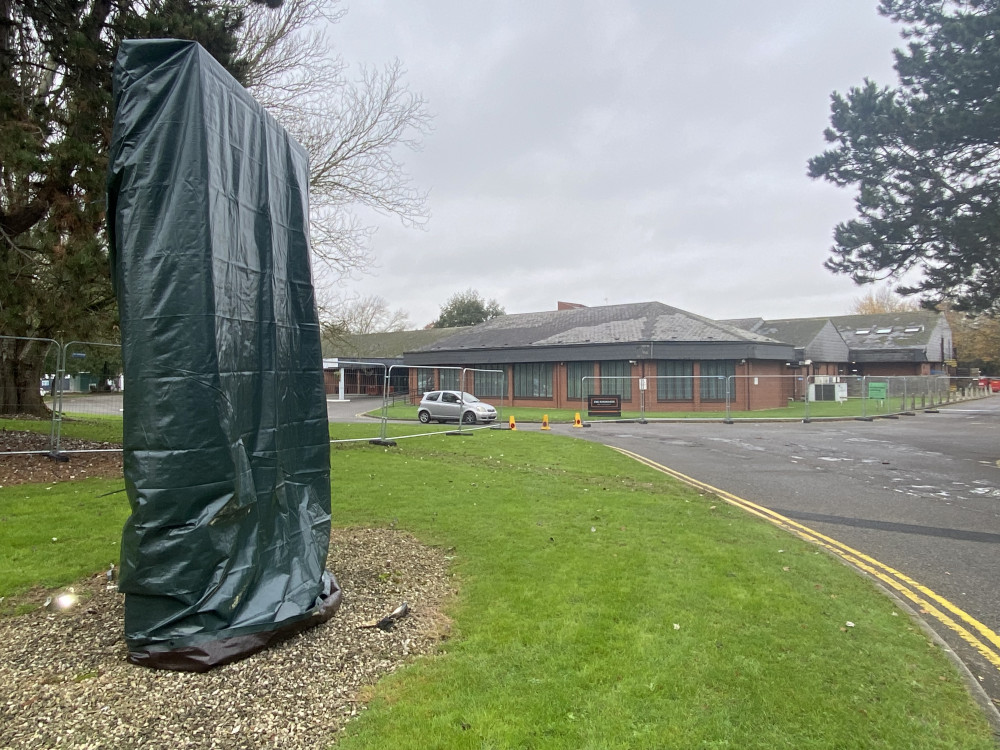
column 21, row 366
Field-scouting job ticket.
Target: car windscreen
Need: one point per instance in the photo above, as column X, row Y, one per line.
column 468, row 398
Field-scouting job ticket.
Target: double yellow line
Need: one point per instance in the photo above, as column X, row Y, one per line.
column 973, row 632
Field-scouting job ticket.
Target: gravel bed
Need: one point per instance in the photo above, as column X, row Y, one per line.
column 65, row 682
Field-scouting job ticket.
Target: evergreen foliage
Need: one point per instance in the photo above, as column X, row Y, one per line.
column 924, row 157
column 467, row 308
column 56, row 60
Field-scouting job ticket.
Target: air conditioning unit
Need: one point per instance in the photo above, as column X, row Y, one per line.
column 825, row 379
column 827, row 392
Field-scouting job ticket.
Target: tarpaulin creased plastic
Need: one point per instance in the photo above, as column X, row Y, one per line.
column 226, row 440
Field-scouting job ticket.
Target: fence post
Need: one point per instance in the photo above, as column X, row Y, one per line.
column 805, row 398
column 729, row 412
column 642, row 400
column 55, row 434
column 864, row 397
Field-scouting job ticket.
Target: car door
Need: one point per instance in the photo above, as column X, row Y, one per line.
column 450, row 406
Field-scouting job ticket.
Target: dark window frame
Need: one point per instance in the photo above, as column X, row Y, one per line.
column 577, row 388
column 713, row 385
column 675, row 380
column 620, row 369
column 533, row 380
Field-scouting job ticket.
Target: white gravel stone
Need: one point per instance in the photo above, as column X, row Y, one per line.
column 64, row 680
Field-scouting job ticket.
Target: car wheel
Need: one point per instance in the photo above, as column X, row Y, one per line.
column 424, row 417
column 469, row 417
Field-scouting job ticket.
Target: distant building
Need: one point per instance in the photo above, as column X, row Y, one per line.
column 558, row 358
column 684, row 361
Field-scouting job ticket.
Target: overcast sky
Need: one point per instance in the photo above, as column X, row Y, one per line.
column 614, row 151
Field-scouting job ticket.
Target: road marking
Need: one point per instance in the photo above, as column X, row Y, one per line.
column 928, row 601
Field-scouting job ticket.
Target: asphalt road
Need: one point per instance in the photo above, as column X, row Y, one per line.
column 920, row 494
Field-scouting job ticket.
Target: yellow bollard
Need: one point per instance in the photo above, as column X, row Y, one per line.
column 545, row 422
column 513, row 425
column 576, row 420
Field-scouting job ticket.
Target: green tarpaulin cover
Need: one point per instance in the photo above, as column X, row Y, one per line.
column 226, row 439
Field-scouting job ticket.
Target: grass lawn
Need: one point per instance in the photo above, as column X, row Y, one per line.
column 796, row 410
column 104, row 429
column 53, row 534
column 602, row 605
column 605, row 606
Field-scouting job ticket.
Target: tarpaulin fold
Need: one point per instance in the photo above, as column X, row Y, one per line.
column 226, row 445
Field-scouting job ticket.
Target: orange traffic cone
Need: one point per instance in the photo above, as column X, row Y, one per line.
column 576, row 420
column 513, row 425
column 545, row 422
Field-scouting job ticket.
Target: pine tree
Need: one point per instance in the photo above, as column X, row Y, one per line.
column 467, row 308
column 924, row 158
column 56, row 60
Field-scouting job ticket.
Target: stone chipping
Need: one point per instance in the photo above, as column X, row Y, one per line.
column 65, row 681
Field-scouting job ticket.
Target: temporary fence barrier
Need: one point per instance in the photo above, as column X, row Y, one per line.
column 668, row 391
column 14, row 349
column 430, row 378
column 67, row 386
column 74, row 389
column 729, row 398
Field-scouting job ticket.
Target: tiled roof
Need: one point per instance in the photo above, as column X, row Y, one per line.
column 383, row 345
column 797, row 331
column 887, row 330
column 610, row 324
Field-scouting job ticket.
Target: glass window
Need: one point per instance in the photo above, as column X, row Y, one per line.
column 432, row 396
column 449, row 379
column 675, row 380
column 425, row 380
column 488, row 384
column 616, row 378
column 713, row 379
column 533, row 380
column 576, row 386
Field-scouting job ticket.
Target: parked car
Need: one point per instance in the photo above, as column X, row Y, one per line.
column 451, row 406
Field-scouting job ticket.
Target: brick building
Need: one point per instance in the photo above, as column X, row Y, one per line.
column 685, row 362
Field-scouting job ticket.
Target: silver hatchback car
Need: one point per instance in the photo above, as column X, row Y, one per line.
column 451, row 406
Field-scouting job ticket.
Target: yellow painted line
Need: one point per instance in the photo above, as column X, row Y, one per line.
column 928, row 601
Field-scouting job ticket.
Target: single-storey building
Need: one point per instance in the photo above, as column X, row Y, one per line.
column 653, row 356
column 903, row 343
column 917, row 342
column 556, row 359
column 365, row 358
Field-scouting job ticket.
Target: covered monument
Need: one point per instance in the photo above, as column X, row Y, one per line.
column 227, row 459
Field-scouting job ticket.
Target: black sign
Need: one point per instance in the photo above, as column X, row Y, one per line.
column 604, row 406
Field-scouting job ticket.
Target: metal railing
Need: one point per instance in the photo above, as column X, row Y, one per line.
column 729, row 398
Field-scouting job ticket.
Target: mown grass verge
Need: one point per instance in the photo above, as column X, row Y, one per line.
column 796, row 410
column 601, row 605
column 605, row 606
column 55, row 533
column 98, row 427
